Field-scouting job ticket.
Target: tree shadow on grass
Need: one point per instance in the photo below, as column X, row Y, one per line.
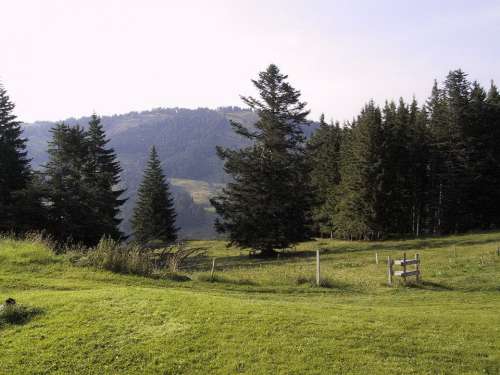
column 203, row 262
column 17, row 314
column 431, row 242
column 429, row 285
column 218, row 278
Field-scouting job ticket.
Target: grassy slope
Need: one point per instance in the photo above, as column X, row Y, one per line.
column 200, row 191
column 259, row 320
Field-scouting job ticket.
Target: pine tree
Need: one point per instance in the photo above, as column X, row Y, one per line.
column 20, row 203
column 490, row 136
column 448, row 121
column 323, row 152
column 437, row 109
column 360, row 204
column 154, row 213
column 267, row 204
column 397, row 165
column 418, row 169
column 72, row 213
column 103, row 176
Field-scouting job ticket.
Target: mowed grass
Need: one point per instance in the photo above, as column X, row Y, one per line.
column 260, row 316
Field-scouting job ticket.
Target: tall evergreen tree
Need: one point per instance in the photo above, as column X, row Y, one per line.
column 72, row 211
column 20, row 202
column 267, row 204
column 154, row 213
column 103, row 176
column 448, row 121
column 490, row 140
column 360, row 205
column 437, row 115
column 418, row 169
column 323, row 151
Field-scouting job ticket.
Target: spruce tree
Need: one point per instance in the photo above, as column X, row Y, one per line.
column 20, row 202
column 323, row 152
column 103, row 176
column 448, row 108
column 359, row 212
column 418, row 169
column 437, row 109
column 397, row 168
column 154, row 213
column 267, row 204
column 72, row 212
column 490, row 140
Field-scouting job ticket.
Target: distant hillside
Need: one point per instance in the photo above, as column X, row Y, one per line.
column 186, row 141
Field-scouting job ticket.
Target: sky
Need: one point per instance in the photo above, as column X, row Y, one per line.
column 61, row 59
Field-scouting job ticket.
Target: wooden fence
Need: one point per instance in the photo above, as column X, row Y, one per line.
column 404, row 273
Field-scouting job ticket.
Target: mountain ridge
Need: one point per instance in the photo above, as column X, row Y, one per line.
column 185, row 139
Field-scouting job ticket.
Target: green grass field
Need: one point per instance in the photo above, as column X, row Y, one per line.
column 260, row 316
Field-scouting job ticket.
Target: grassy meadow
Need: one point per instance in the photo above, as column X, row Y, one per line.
column 259, row 316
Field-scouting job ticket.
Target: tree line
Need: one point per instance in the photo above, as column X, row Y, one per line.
column 406, row 169
column 403, row 169
column 399, row 170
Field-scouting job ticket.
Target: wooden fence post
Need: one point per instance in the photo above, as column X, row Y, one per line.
column 404, row 268
column 213, row 270
column 417, row 266
column 317, row 268
column 389, row 270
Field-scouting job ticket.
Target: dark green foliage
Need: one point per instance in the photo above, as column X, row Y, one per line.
column 267, row 204
column 187, row 139
column 483, row 161
column 417, row 170
column 323, row 152
column 20, row 202
column 154, row 213
column 359, row 209
column 411, row 170
column 103, row 176
column 447, row 108
column 71, row 214
column 81, row 178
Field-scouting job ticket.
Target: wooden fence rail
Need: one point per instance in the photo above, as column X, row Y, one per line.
column 405, row 262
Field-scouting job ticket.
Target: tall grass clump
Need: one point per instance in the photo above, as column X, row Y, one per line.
column 135, row 259
column 33, row 237
column 116, row 257
column 41, row 237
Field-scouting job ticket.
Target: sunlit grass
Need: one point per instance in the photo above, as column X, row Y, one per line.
column 260, row 316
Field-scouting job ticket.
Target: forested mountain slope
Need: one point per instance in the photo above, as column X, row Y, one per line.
column 185, row 140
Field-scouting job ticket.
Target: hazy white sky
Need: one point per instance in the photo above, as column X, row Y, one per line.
column 69, row 58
